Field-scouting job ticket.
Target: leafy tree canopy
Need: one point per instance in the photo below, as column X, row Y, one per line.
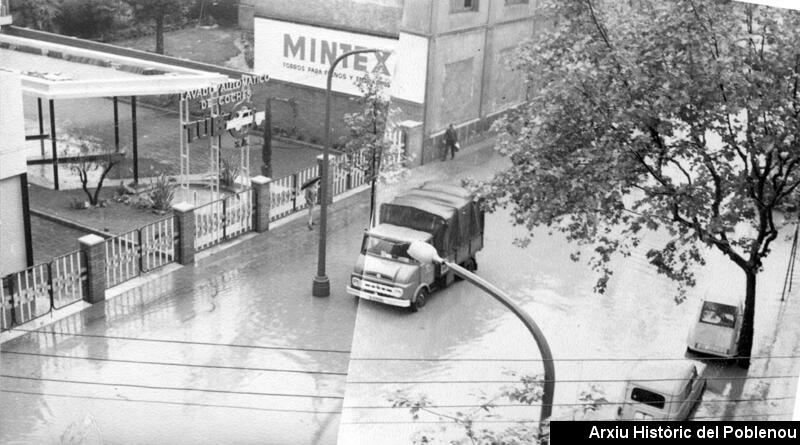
column 367, row 133
column 680, row 115
column 154, row 9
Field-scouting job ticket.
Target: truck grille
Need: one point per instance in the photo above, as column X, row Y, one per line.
column 378, row 288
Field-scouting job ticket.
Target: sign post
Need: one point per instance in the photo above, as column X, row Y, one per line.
column 238, row 122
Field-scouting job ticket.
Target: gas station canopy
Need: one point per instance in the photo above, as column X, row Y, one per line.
column 56, row 71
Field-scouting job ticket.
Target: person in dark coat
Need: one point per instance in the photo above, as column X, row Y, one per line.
column 312, row 196
column 450, row 142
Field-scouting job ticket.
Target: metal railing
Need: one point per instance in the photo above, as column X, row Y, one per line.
column 340, row 172
column 68, row 273
column 223, row 219
column 285, row 194
column 238, row 211
column 140, row 250
column 37, row 290
column 357, row 178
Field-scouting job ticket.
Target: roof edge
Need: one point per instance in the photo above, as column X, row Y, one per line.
column 120, row 51
column 344, row 28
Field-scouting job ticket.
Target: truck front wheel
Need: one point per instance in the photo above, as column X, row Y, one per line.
column 420, row 299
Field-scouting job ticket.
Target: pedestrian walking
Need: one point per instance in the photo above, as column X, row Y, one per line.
column 450, row 142
column 312, row 195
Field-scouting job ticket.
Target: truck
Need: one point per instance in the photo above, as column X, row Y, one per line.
column 446, row 216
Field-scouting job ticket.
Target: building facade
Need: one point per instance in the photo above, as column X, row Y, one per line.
column 465, row 46
column 448, row 63
column 15, row 227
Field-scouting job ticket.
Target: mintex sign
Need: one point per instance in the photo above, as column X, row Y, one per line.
column 302, row 54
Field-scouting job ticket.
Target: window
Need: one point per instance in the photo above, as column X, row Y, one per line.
column 718, row 314
column 648, row 398
column 464, row 5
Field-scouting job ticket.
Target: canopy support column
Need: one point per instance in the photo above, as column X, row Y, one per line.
column 41, row 124
column 134, row 142
column 116, row 125
column 54, row 145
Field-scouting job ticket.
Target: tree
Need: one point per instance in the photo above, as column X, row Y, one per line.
column 157, row 11
column 682, row 116
column 367, row 145
column 527, row 391
column 86, row 18
column 90, row 158
column 41, row 15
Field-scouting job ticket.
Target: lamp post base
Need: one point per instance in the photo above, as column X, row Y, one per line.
column 321, row 287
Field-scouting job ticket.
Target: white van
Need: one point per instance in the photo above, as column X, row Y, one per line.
column 717, row 328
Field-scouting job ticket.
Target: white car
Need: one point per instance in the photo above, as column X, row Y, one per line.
column 662, row 390
column 717, row 328
column 244, row 117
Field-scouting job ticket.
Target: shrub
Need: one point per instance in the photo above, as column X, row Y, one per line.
column 86, row 18
column 224, row 12
column 162, row 193
column 228, row 172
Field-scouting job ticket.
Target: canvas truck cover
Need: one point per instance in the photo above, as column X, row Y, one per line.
column 419, row 214
column 445, row 211
column 447, row 188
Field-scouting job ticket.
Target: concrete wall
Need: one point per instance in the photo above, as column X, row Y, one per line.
column 467, row 78
column 448, row 18
column 418, row 16
column 503, row 87
column 310, row 110
column 12, row 166
column 12, row 227
column 454, row 79
column 465, row 82
column 365, row 15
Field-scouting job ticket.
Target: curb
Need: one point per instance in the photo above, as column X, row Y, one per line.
column 71, row 224
column 299, row 142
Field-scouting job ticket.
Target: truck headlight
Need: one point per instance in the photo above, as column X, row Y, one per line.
column 355, row 281
column 397, row 292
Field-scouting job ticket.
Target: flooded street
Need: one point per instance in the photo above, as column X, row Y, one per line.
column 234, row 350
column 463, row 345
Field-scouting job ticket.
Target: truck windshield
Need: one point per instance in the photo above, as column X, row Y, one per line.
column 718, row 314
column 385, row 248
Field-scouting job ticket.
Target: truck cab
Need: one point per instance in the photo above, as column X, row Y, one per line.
column 443, row 215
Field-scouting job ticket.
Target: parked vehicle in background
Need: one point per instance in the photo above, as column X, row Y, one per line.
column 717, row 328
column 662, row 390
column 443, row 215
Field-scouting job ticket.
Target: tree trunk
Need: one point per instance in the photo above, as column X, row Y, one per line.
column 746, row 336
column 160, row 34
column 372, row 192
column 96, row 198
column 84, row 177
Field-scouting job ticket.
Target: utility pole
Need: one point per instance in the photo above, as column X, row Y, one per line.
column 321, row 286
column 266, row 148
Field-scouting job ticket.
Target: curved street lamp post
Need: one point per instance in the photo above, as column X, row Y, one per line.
column 321, row 286
column 425, row 253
